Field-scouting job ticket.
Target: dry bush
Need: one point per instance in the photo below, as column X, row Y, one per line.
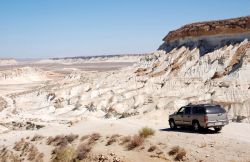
column 174, row 150
column 18, row 145
column 94, row 137
column 162, row 156
column 152, row 148
column 37, row 138
column 63, row 154
column 71, row 137
column 180, row 155
column 21, row 145
column 39, row 157
column 8, row 156
column 113, row 139
column 135, row 142
column 50, row 140
column 82, row 151
column 34, row 154
column 59, row 140
column 179, row 152
column 146, row 132
column 125, row 139
column 84, row 137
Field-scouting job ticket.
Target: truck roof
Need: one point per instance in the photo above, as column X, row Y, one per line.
column 203, row 105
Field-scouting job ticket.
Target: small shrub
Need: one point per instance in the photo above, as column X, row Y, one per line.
column 179, row 152
column 21, row 145
column 71, row 137
column 50, row 140
column 125, row 139
column 94, row 137
column 34, row 154
column 113, row 139
column 39, row 157
column 125, row 115
column 9, row 156
column 37, row 138
column 180, row 155
column 174, row 150
column 63, row 154
column 135, row 142
column 61, row 140
column 58, row 140
column 152, row 148
column 146, row 132
column 82, row 151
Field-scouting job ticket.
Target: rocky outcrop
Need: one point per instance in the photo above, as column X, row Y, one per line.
column 208, row 36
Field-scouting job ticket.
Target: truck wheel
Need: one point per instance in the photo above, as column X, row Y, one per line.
column 218, row 129
column 196, row 126
column 172, row 124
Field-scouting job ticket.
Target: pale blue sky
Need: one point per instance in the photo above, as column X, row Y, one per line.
column 59, row 28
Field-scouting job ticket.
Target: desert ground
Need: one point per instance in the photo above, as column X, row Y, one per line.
column 49, row 128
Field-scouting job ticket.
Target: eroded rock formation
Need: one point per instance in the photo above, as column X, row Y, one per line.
column 209, row 35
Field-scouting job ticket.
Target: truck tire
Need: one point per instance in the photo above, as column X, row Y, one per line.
column 172, row 124
column 217, row 129
column 196, row 126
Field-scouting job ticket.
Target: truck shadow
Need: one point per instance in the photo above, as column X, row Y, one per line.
column 189, row 130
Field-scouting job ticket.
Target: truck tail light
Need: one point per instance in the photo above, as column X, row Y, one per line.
column 205, row 119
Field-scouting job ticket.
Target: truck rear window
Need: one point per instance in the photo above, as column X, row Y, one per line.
column 214, row 110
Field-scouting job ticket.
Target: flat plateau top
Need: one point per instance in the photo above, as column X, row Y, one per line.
column 208, row 28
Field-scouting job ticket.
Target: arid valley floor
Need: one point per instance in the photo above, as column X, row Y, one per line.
column 35, row 122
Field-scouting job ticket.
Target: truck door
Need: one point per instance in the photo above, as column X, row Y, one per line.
column 187, row 120
column 179, row 116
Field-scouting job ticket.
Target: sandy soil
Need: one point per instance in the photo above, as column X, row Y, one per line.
column 204, row 146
